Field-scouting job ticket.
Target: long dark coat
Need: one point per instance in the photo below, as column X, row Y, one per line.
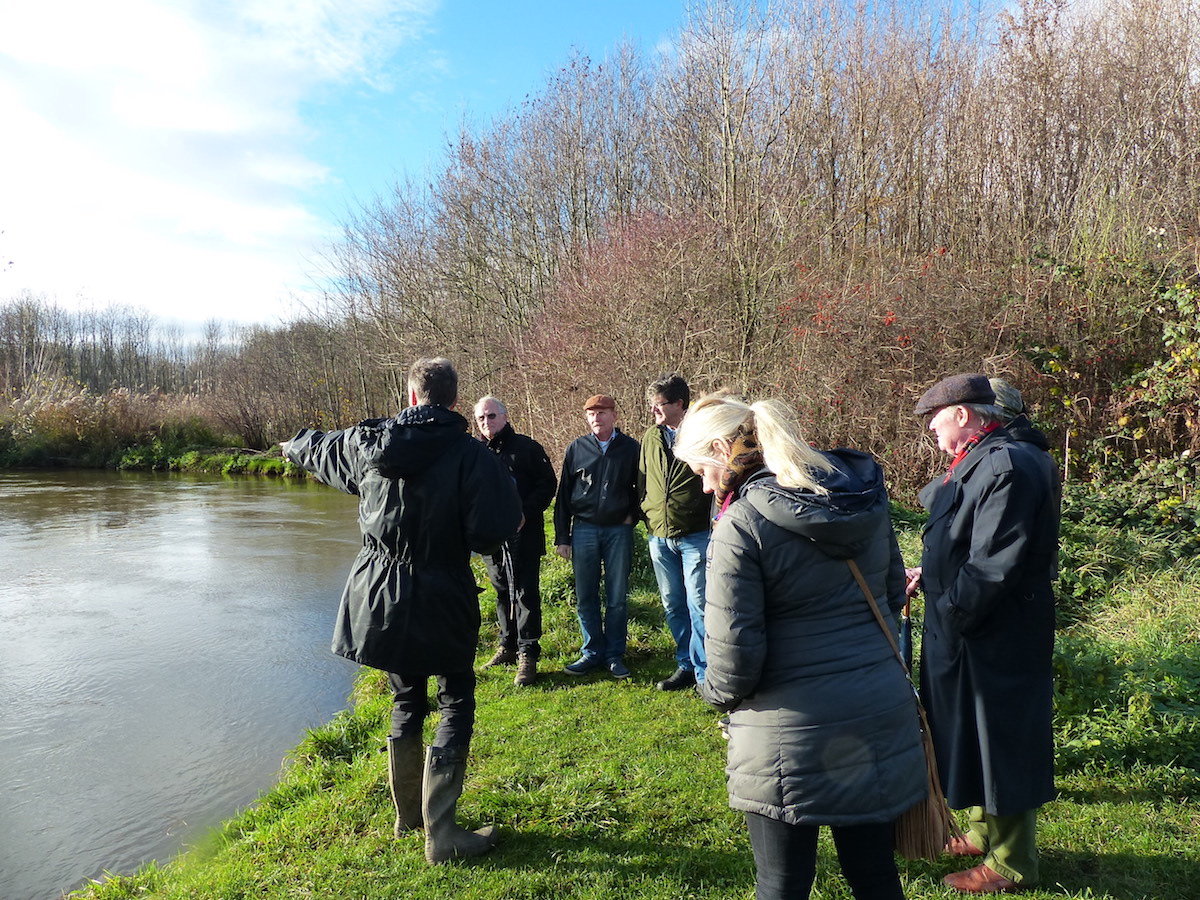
column 990, row 551
column 428, row 494
column 823, row 722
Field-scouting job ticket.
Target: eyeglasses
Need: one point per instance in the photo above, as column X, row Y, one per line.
column 482, row 416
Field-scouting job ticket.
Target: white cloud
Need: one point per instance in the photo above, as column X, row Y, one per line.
column 155, row 149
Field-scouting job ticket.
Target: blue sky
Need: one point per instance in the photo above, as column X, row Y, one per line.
column 192, row 159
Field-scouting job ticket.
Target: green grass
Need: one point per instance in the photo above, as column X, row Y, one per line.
column 609, row 789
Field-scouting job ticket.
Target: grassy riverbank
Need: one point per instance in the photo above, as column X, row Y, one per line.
column 606, row 789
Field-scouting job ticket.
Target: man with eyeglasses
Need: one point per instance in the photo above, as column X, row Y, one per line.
column 515, row 568
column 678, row 515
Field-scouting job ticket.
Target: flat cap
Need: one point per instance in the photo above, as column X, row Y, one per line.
column 600, row 401
column 970, row 388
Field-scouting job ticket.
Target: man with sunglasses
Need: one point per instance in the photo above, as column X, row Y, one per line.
column 515, row 568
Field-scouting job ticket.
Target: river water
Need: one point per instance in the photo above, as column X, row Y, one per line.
column 164, row 642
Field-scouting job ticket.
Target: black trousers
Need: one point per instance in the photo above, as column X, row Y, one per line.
column 455, row 703
column 515, row 573
column 785, row 857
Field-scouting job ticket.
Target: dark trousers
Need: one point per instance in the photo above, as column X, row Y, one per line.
column 786, row 859
column 455, row 701
column 515, row 573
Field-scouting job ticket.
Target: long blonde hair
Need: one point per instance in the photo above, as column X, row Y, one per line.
column 774, row 424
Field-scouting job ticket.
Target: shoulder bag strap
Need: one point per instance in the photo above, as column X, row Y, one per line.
column 862, row 583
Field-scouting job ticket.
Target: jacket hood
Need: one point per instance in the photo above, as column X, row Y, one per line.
column 842, row 522
column 1023, row 430
column 411, row 442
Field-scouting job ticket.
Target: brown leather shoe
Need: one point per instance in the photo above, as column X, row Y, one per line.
column 960, row 846
column 980, row 880
column 526, row 670
column 504, row 656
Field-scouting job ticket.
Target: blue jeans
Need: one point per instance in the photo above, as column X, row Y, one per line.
column 609, row 548
column 679, row 567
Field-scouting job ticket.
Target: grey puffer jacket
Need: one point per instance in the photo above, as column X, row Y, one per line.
column 823, row 722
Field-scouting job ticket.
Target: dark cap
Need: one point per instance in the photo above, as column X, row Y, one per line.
column 972, row 388
column 600, row 401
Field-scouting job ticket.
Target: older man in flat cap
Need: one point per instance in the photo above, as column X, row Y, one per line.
column 594, row 514
column 990, row 552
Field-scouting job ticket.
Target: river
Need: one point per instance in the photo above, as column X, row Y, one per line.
column 164, row 642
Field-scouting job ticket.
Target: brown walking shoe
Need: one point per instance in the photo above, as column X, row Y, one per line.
column 980, row 880
column 526, row 670
column 504, row 656
column 960, row 846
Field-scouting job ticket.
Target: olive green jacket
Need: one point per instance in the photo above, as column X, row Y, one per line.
column 673, row 502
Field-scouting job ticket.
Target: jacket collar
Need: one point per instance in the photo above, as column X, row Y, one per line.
column 963, row 469
column 501, row 437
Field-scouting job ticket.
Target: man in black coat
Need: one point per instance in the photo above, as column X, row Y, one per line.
column 990, row 552
column 429, row 494
column 515, row 569
column 1014, row 417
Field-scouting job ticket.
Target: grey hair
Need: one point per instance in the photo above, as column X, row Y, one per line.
column 493, row 399
column 987, row 413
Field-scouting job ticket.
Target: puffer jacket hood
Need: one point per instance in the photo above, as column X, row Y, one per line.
column 407, row 445
column 842, row 522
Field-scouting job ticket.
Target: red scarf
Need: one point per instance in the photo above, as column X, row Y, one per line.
column 970, row 445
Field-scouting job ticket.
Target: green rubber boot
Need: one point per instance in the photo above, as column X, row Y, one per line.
column 404, row 778
column 445, row 768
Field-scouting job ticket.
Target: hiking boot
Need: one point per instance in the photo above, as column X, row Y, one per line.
column 504, row 656
column 526, row 670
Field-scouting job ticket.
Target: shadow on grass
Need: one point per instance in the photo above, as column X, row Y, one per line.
column 1120, row 876
column 1116, row 793
column 582, row 857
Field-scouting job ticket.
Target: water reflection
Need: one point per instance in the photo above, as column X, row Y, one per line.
column 164, row 640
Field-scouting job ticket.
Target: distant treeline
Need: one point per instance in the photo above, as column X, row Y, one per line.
column 251, row 383
column 832, row 202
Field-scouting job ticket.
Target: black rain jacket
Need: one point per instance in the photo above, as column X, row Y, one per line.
column 429, row 494
column 599, row 487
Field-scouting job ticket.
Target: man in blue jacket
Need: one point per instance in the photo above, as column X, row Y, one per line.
column 594, row 515
column 429, row 495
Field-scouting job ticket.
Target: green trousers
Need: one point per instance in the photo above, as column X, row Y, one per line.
column 1009, row 843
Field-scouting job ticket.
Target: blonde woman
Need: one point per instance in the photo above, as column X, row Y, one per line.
column 822, row 720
